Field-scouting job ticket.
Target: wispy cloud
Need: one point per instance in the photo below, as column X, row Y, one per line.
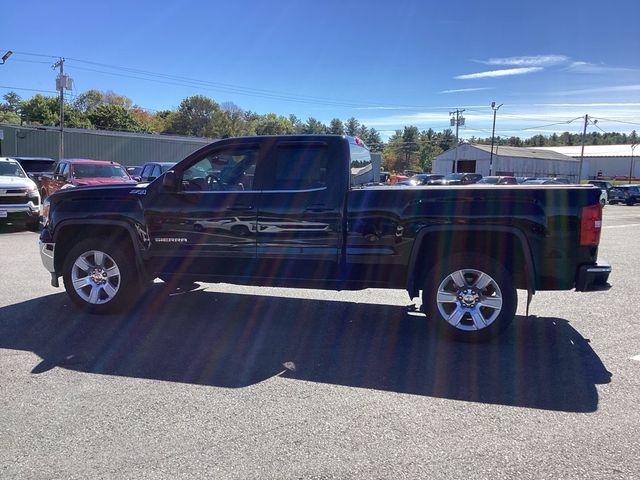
column 499, row 73
column 594, row 68
column 608, row 89
column 463, row 90
column 527, row 61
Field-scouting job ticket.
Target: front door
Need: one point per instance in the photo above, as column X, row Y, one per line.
column 207, row 227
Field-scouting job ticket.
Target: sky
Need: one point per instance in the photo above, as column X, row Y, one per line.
column 389, row 64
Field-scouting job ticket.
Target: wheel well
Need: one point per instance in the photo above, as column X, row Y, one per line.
column 72, row 234
column 503, row 246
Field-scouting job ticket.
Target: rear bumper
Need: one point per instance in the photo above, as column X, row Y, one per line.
column 593, row 276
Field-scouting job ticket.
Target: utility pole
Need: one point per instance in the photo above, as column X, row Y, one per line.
column 584, row 136
column 633, row 147
column 63, row 82
column 493, row 132
column 459, row 120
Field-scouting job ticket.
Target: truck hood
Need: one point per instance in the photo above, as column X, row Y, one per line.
column 8, row 183
column 81, row 182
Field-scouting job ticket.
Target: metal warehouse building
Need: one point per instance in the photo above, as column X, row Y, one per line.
column 608, row 160
column 122, row 147
column 515, row 161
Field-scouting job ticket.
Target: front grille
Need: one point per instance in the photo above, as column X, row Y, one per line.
column 15, row 200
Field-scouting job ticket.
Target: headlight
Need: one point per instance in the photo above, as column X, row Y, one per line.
column 33, row 191
column 45, row 212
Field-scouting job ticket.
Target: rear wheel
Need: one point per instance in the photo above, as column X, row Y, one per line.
column 99, row 276
column 471, row 297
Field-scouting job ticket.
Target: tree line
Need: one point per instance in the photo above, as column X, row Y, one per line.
column 201, row 116
column 197, row 115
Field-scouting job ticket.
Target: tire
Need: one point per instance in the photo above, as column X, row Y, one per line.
column 33, row 226
column 99, row 276
column 472, row 298
column 629, row 203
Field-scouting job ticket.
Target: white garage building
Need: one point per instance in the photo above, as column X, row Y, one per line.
column 514, row 161
column 609, row 160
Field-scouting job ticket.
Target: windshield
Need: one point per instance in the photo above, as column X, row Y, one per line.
column 11, row 169
column 38, row 166
column 488, row 180
column 94, row 170
column 453, row 176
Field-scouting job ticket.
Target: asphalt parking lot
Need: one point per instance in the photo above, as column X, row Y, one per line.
column 235, row 382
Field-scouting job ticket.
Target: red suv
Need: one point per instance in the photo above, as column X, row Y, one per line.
column 76, row 173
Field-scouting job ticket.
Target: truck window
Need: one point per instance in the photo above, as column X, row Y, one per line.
column 361, row 166
column 298, row 167
column 231, row 169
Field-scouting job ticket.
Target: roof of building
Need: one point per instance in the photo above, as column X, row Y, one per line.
column 523, row 152
column 595, row 150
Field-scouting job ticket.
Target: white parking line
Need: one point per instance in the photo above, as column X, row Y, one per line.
column 636, row 358
column 623, row 226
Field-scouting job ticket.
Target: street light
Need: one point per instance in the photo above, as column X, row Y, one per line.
column 633, row 147
column 493, row 131
column 6, row 56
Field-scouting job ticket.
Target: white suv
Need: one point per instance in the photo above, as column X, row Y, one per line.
column 19, row 197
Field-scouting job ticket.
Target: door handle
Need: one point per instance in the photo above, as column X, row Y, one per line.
column 240, row 207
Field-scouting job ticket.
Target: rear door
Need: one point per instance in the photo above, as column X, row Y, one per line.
column 207, row 226
column 300, row 209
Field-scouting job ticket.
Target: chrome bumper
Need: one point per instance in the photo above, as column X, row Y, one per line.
column 47, row 251
column 22, row 208
column 593, row 277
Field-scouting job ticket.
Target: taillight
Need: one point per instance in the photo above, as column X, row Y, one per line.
column 591, row 225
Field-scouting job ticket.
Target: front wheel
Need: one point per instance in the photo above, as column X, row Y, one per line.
column 99, row 276
column 471, row 297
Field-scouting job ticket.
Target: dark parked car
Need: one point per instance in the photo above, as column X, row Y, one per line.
column 499, row 180
column 152, row 170
column 629, row 194
column 36, row 167
column 134, row 171
column 421, row 179
column 458, row 179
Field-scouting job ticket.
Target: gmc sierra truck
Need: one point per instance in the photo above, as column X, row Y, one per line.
column 287, row 211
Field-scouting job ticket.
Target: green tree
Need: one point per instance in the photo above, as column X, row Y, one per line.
column 374, row 141
column 7, row 116
column 193, row 116
column 314, row 126
column 336, row 127
column 11, row 102
column 114, row 117
column 351, row 127
column 40, row 110
column 272, row 124
column 87, row 101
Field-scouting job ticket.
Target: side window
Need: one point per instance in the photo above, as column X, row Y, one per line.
column 64, row 171
column 298, row 167
column 156, row 172
column 144, row 175
column 361, row 166
column 58, row 168
column 231, row 169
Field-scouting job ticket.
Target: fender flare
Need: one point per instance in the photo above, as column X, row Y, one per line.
column 135, row 241
column 413, row 289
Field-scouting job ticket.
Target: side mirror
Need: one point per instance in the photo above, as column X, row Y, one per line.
column 169, row 181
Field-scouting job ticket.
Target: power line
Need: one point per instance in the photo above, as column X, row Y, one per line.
column 617, row 121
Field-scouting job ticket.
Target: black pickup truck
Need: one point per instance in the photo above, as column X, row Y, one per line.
column 287, row 211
